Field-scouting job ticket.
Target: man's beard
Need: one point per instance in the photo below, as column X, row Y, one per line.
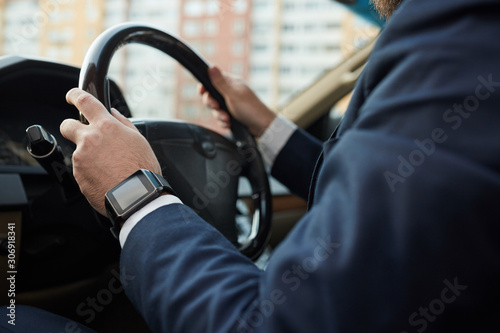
column 386, row 7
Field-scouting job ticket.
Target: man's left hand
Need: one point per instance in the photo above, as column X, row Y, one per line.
column 108, row 149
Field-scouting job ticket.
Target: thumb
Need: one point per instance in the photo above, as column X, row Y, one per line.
column 219, row 80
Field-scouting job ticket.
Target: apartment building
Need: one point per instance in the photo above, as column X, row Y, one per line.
column 293, row 41
column 278, row 46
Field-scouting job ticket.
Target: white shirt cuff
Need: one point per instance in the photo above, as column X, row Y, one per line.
column 141, row 213
column 275, row 137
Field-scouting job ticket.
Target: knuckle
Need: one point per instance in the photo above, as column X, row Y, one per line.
column 82, row 100
column 107, row 124
column 77, row 161
column 92, row 140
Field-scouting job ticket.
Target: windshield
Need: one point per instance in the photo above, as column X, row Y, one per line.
column 278, row 46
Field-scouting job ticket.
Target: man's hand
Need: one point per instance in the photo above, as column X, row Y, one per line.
column 241, row 101
column 108, row 150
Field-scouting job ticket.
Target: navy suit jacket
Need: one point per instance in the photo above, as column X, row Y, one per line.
column 404, row 231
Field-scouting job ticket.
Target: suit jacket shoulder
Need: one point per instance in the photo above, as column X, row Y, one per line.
column 403, row 234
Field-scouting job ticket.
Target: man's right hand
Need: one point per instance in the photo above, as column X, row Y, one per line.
column 241, row 101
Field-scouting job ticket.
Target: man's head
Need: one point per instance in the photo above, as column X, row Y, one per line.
column 374, row 11
column 386, row 7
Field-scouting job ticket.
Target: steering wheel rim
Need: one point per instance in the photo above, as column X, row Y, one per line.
column 93, row 79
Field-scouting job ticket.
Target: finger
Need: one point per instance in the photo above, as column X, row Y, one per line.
column 221, row 116
column 210, row 102
column 222, row 119
column 71, row 128
column 87, row 104
column 122, row 119
column 224, row 124
column 218, row 80
column 201, row 89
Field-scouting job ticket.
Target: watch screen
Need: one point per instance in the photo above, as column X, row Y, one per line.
column 129, row 192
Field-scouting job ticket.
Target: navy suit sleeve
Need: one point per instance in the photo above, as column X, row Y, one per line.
column 184, row 276
column 403, row 234
column 295, row 163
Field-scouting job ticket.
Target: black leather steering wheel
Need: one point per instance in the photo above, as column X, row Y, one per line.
column 202, row 166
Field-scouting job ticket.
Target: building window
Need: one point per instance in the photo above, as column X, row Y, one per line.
column 332, row 25
column 288, row 48
column 211, row 27
column 309, row 27
column 286, row 91
column 312, row 48
column 62, row 15
column 189, row 112
column 260, row 47
column 209, row 48
column 239, row 27
column 238, row 47
column 212, row 7
column 91, row 33
column 237, row 68
column 62, row 53
column 260, row 68
column 189, row 91
column 262, row 28
column 285, row 69
column 332, row 47
column 192, row 28
column 240, row 6
column 193, row 8
column 312, row 5
column 92, row 11
column 261, row 91
column 288, row 6
column 260, row 4
column 60, row 36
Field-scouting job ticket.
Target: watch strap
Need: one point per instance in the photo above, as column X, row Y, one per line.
column 164, row 183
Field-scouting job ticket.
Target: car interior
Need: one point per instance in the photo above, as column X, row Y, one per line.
column 66, row 258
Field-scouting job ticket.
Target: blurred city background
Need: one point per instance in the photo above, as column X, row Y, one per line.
column 278, row 46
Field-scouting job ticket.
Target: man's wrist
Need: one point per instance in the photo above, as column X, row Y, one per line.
column 133, row 193
column 137, row 217
column 161, row 194
column 275, row 137
column 264, row 124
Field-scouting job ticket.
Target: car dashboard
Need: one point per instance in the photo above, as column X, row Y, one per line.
column 34, row 93
column 56, row 242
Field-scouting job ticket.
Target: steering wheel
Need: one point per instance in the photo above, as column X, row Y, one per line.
column 202, row 166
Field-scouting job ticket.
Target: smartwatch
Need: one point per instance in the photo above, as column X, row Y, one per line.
column 132, row 194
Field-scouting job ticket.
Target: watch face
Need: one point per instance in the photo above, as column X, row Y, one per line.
column 130, row 192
